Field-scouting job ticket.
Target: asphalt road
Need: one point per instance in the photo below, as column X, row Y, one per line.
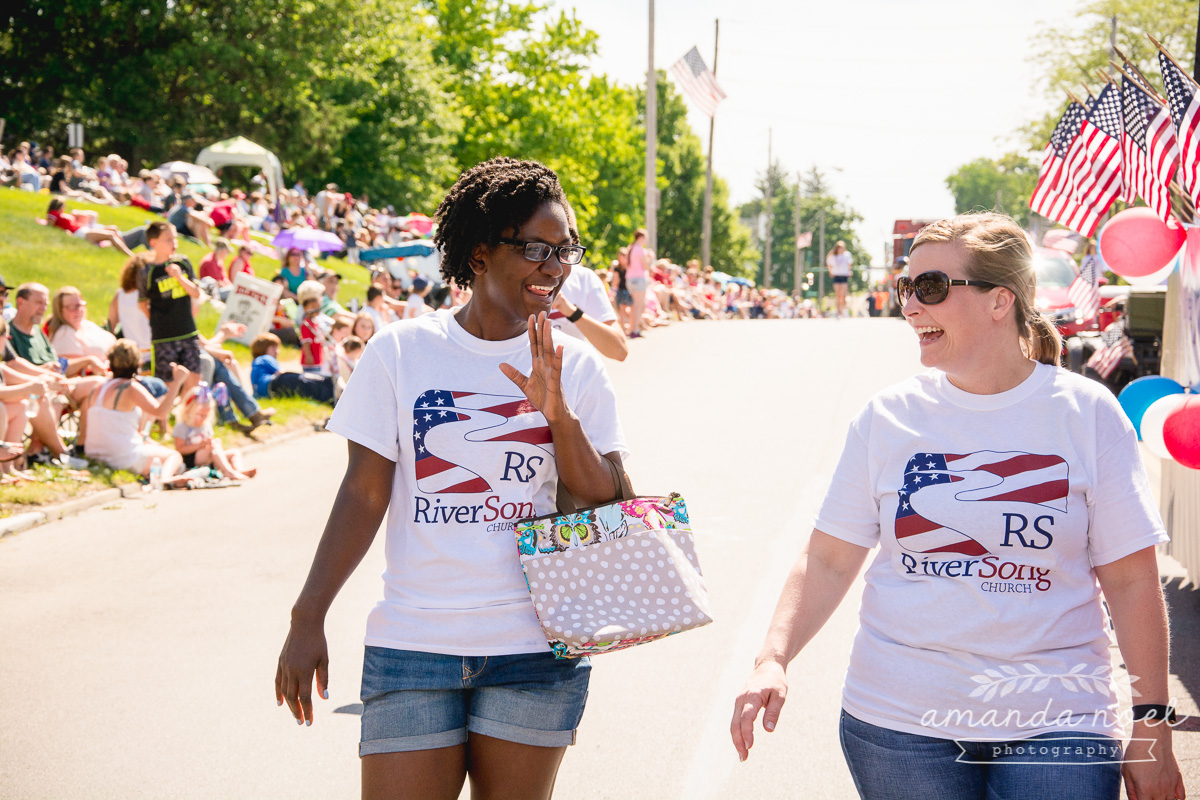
column 138, row 642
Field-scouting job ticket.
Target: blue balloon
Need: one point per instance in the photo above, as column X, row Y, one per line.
column 1140, row 394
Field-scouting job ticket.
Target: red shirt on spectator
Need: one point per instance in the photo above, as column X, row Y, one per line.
column 64, row 220
column 221, row 213
column 211, row 267
column 311, row 354
column 239, row 265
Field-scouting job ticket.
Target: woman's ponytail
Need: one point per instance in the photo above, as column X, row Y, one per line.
column 1044, row 342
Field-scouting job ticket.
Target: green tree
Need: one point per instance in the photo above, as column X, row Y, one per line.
column 1070, row 55
column 681, row 179
column 815, row 195
column 1003, row 184
column 319, row 82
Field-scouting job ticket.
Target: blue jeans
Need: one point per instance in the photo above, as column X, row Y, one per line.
column 422, row 701
column 237, row 394
column 891, row 765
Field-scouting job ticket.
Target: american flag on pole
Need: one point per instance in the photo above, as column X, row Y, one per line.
column 698, row 82
column 451, row 429
column 944, row 493
column 1083, row 292
column 1114, row 345
column 1052, row 196
column 1185, row 113
column 1149, row 149
column 1099, row 183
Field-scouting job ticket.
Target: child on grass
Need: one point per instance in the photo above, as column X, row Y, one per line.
column 194, row 438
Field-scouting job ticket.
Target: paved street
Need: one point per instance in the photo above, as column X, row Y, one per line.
column 138, row 642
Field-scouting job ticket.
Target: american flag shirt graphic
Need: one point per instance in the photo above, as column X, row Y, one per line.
column 942, row 490
column 452, row 431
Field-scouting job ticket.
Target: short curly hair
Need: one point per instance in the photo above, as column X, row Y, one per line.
column 488, row 199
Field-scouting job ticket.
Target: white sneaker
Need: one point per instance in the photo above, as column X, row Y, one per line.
column 71, row 462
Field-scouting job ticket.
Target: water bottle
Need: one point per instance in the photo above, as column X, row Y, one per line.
column 156, row 482
column 31, row 405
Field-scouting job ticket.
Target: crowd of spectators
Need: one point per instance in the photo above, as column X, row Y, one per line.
column 149, row 359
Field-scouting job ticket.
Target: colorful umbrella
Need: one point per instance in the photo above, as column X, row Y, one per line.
column 307, row 239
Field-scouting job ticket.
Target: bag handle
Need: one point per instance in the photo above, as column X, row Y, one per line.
column 566, row 503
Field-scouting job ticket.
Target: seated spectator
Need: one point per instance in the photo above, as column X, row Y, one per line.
column 23, row 394
column 31, row 343
column 377, row 308
column 283, row 323
column 114, row 416
column 72, row 334
column 61, row 180
column 213, row 279
column 270, row 381
column 85, row 229
column 125, row 316
column 314, row 327
column 293, row 272
column 330, row 307
column 196, row 443
column 349, row 352
column 415, row 305
column 241, row 263
column 190, row 219
column 364, row 326
column 27, row 175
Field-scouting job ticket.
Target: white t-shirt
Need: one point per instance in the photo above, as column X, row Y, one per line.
column 839, row 264
column 990, row 512
column 472, row 458
column 583, row 289
column 381, row 318
column 415, row 306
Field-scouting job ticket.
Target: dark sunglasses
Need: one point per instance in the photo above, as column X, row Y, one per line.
column 540, row 251
column 932, row 287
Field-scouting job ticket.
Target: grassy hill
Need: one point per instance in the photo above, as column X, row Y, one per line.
column 48, row 255
column 33, row 252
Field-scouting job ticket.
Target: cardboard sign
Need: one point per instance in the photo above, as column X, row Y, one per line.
column 252, row 303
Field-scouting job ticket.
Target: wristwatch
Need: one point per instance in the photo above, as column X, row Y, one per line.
column 1154, row 712
column 575, row 317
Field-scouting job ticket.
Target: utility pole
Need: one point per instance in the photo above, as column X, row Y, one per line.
column 652, row 145
column 706, row 230
column 767, row 251
column 821, row 262
column 799, row 251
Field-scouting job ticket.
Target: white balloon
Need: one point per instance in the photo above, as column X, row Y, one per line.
column 1154, row 419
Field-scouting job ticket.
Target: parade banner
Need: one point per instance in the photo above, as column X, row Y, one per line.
column 251, row 302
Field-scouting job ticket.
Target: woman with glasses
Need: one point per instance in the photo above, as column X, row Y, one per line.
column 1004, row 494
column 461, row 422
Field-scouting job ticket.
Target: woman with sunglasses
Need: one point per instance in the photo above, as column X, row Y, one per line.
column 460, row 422
column 1004, row 494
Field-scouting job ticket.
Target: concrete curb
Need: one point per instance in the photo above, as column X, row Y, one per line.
column 23, row 522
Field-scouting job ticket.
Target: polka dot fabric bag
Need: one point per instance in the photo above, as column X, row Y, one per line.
column 614, row 576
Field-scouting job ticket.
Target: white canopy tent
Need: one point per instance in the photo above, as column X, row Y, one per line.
column 241, row 152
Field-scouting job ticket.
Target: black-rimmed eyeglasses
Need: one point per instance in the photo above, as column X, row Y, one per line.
column 932, row 287
column 540, row 251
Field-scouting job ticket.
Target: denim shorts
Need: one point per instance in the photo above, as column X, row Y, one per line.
column 422, row 701
column 636, row 284
column 893, row 765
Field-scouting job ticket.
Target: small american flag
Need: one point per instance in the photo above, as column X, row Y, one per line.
column 698, row 82
column 1185, row 113
column 449, row 422
column 940, row 489
column 1099, row 183
column 1114, row 345
column 1149, row 150
column 1083, row 292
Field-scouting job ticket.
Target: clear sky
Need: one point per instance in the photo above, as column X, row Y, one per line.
column 895, row 93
